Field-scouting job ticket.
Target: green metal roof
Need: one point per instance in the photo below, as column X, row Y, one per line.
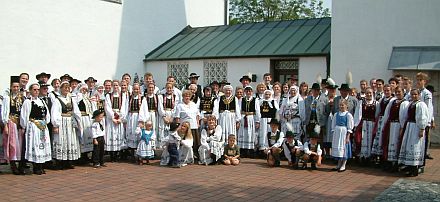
column 304, row 37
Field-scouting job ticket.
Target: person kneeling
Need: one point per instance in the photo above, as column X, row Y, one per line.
column 292, row 149
column 232, row 152
column 275, row 138
column 312, row 153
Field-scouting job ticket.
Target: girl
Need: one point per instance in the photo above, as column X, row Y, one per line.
column 261, row 87
column 392, row 124
column 135, row 109
column 168, row 104
column 231, row 155
column 211, row 148
column 277, row 96
column 145, row 148
column 304, row 90
column 186, row 152
column 342, row 126
column 412, row 151
column 377, row 148
column 364, row 122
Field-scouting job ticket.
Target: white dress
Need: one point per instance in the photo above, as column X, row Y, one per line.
column 228, row 118
column 66, row 143
column 412, row 151
column 341, row 125
column 134, row 111
column 168, row 104
column 211, row 144
column 114, row 139
column 155, row 110
column 38, row 148
column 377, row 142
column 86, row 136
column 263, row 142
column 367, row 127
column 186, row 154
column 394, row 126
column 292, row 111
column 145, row 149
column 247, row 133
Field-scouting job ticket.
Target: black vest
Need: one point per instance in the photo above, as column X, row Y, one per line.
column 152, row 102
column 38, row 112
column 65, row 108
column 266, row 111
column 269, row 138
column 248, row 106
column 135, row 103
column 225, row 104
column 207, row 104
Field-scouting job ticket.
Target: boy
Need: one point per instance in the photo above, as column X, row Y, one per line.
column 98, row 139
column 292, row 149
column 275, row 137
column 312, row 151
column 173, row 141
column 232, row 152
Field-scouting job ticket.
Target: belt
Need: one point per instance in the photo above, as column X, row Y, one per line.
column 84, row 114
column 68, row 114
column 248, row 113
column 14, row 118
column 221, row 111
column 168, row 109
column 368, row 119
column 152, row 110
column 394, row 120
column 39, row 123
column 134, row 111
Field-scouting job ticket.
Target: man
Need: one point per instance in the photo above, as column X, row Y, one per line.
column 379, row 89
column 324, row 87
column 148, row 78
column 74, row 86
column 24, row 79
column 393, row 82
column 127, row 78
column 399, row 79
column 315, row 113
column 363, row 84
column 352, row 101
column 107, row 87
column 194, row 88
column 267, row 81
column 215, row 86
column 193, row 79
column 44, row 96
column 43, row 77
column 66, row 77
column 426, row 97
column 245, row 81
column 373, row 84
column 91, row 82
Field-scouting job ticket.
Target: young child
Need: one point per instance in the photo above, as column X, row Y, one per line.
column 145, row 148
column 312, row 152
column 292, row 148
column 342, row 126
column 171, row 144
column 275, row 139
column 98, row 139
column 232, row 152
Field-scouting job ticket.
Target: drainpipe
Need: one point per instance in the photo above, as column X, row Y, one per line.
column 226, row 13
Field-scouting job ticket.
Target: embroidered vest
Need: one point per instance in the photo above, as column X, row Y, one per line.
column 267, row 111
column 207, row 104
column 226, row 104
column 37, row 112
column 248, row 106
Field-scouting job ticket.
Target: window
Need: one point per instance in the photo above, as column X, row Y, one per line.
column 214, row 70
column 415, row 58
column 283, row 70
column 180, row 71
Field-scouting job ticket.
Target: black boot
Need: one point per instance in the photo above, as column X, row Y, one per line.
column 314, row 166
column 14, row 168
column 37, row 168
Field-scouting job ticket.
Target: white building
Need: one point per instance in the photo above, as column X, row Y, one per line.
column 96, row 38
column 376, row 39
column 284, row 49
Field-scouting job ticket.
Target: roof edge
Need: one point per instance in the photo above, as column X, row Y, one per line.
column 235, row 57
column 165, row 42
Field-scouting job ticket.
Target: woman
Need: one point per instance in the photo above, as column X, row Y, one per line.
column 331, row 89
column 393, row 123
column 304, row 90
column 229, row 112
column 261, row 87
column 168, row 104
column 208, row 106
column 364, row 120
column 211, row 148
column 115, row 108
column 249, row 124
column 292, row 111
column 186, row 153
column 34, row 117
column 66, row 120
column 154, row 108
column 268, row 110
column 277, row 94
column 135, row 110
column 239, row 92
column 412, row 151
column 86, row 107
column 187, row 111
column 285, row 90
column 377, row 148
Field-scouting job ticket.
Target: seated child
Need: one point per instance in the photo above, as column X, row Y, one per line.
column 145, row 148
column 312, row 152
column 170, row 155
column 275, row 137
column 292, row 148
column 98, row 132
column 232, row 152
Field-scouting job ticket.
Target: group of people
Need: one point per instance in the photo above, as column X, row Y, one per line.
column 60, row 124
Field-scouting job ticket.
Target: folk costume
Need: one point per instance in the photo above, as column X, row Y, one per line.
column 364, row 121
column 275, row 141
column 316, row 114
column 341, row 148
column 250, row 116
column 211, row 148
column 292, row 148
column 168, row 104
column 86, row 107
column 229, row 115
column 377, row 148
column 115, row 108
column 145, row 148
column 292, row 111
column 136, row 107
column 268, row 110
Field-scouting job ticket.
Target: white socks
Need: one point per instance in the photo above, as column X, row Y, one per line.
column 343, row 164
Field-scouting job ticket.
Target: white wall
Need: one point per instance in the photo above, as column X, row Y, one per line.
column 211, row 10
column 364, row 32
column 310, row 68
column 76, row 37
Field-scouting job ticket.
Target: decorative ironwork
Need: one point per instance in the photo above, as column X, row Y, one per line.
column 215, row 70
column 286, row 64
column 180, row 71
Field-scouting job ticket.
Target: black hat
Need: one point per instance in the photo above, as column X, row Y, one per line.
column 15, row 79
column 193, row 75
column 43, row 84
column 344, row 86
column 214, row 83
column 90, row 79
column 430, row 88
column 66, row 76
column 246, row 77
column 97, row 113
column 331, row 86
column 324, row 81
column 289, row 134
column 72, row 80
column 224, row 82
column 248, row 88
column 274, row 121
column 42, row 74
column 174, row 126
column 315, row 86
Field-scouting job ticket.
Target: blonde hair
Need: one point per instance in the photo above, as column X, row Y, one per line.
column 188, row 134
column 186, row 93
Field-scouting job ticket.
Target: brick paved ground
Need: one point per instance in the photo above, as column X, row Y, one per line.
column 252, row 180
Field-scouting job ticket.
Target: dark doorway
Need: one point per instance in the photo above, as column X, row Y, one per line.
column 283, row 70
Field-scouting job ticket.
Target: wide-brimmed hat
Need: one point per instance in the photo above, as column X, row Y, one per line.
column 97, row 113
column 430, row 88
column 224, row 82
column 73, row 80
column 15, row 79
column 344, row 86
column 66, row 76
column 316, row 86
column 246, row 77
column 274, row 121
column 248, row 88
column 90, row 79
column 290, row 133
column 42, row 74
column 193, row 75
column 331, row 84
column 174, row 126
column 43, row 84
